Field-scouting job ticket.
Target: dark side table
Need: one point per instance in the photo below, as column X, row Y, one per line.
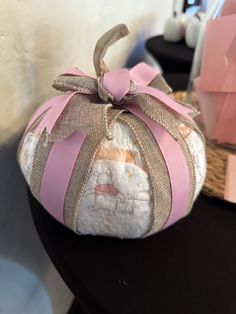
column 174, row 58
column 189, row 268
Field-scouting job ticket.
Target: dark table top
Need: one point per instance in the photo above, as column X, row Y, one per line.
column 177, row 81
column 189, row 268
column 173, row 57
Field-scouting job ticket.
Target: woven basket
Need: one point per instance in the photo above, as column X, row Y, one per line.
column 214, row 184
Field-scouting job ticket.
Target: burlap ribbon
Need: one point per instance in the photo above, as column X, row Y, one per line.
column 89, row 101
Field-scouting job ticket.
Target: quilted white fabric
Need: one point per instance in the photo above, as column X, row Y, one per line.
column 117, row 198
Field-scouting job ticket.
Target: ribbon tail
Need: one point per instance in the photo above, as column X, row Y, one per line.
column 166, row 100
column 156, row 112
column 82, row 84
column 57, row 105
column 74, row 72
column 143, row 74
column 43, row 108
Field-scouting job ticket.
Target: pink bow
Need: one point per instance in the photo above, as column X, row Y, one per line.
column 118, row 84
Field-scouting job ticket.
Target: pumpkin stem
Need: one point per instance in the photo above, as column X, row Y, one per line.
column 104, row 42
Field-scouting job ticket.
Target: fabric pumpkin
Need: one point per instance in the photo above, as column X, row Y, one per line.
column 175, row 27
column 192, row 31
column 116, row 156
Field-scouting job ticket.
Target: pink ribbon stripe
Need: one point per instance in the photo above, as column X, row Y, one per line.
column 57, row 174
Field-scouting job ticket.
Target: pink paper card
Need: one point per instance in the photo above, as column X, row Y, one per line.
column 225, row 128
column 230, row 179
column 229, row 7
column 218, row 114
column 207, row 109
column 231, row 51
column 218, row 69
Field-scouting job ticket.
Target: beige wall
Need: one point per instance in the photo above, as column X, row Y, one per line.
column 41, row 38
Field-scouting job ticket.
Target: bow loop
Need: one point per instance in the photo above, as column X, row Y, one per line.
column 117, row 83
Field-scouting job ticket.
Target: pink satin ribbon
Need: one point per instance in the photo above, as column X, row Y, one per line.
column 57, row 174
column 57, row 105
column 63, row 155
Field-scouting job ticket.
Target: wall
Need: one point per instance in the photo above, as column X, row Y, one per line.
column 40, row 38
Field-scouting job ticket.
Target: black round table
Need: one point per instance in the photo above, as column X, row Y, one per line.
column 173, row 57
column 189, row 268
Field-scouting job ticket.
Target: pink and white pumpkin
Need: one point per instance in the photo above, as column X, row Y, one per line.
column 117, row 196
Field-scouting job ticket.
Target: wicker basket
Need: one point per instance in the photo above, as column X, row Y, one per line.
column 214, row 184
